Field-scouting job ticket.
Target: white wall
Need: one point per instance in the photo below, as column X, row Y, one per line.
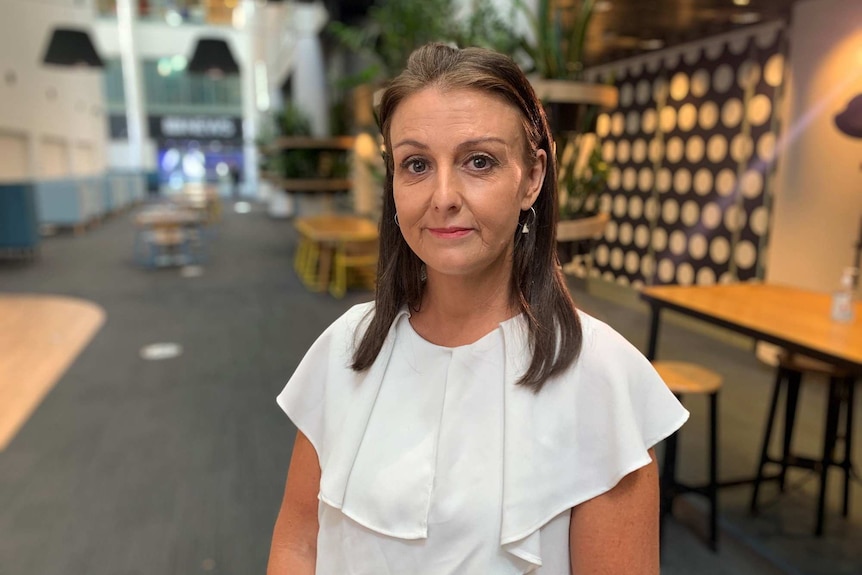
column 818, row 204
column 42, row 102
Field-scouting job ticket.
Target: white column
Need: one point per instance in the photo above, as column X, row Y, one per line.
column 132, row 84
column 248, row 90
column 308, row 84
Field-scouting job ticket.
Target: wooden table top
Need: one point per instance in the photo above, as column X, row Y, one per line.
column 335, row 228
column 163, row 216
column 791, row 317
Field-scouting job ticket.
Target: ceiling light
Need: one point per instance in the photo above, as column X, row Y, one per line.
column 741, row 2
column 745, row 18
column 602, row 6
column 71, row 47
column 651, row 44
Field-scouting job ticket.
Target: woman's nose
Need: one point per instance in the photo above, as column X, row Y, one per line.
column 447, row 193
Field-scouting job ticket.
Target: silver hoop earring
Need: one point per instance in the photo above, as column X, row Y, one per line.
column 396, row 220
column 525, row 227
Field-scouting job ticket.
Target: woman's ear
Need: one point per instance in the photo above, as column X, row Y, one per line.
column 534, row 180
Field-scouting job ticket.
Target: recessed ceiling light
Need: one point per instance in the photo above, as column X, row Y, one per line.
column 745, row 18
column 741, row 2
column 602, row 6
column 651, row 44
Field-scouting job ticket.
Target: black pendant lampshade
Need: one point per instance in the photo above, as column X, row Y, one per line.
column 72, row 47
column 212, row 56
column 849, row 120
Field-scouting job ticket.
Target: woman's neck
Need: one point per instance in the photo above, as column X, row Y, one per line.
column 459, row 310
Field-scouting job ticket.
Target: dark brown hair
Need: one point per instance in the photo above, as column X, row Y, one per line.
column 537, row 285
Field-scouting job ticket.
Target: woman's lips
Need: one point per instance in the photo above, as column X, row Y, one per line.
column 449, row 233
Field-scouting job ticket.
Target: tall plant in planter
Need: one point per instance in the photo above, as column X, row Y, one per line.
column 556, row 51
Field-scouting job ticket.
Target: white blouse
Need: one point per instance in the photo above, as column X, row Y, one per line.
column 435, row 462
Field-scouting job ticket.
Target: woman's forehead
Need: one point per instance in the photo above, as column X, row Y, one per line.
column 458, row 111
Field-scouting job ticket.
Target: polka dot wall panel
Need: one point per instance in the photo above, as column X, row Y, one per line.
column 691, row 147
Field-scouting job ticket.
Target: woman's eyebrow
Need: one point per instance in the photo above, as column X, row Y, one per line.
column 414, row 143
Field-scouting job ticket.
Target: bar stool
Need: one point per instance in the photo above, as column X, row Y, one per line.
column 684, row 378
column 790, row 369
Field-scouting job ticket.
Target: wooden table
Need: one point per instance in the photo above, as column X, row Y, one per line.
column 166, row 227
column 320, row 238
column 795, row 319
column 40, row 337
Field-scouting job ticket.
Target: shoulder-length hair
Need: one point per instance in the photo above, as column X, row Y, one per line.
column 537, row 286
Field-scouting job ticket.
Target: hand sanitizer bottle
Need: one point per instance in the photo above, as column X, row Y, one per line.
column 842, row 299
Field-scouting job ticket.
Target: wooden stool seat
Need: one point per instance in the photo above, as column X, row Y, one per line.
column 685, row 378
column 682, row 377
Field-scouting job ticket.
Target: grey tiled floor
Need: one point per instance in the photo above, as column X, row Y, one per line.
column 176, row 467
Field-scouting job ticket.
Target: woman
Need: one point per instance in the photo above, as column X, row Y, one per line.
column 470, row 420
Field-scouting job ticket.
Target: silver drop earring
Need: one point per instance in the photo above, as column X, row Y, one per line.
column 396, row 220
column 525, row 227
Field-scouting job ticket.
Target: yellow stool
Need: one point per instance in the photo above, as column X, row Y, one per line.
column 684, row 378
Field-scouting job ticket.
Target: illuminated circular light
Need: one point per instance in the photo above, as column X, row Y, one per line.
column 626, row 95
column 716, row 148
column 682, row 181
column 707, row 117
column 725, row 182
column 700, row 83
column 748, row 74
column 617, row 258
column 667, row 119
column 179, row 63
column 773, row 71
column 656, row 150
column 173, row 18
column 678, row 242
column 160, row 351
column 719, row 250
column 608, row 149
column 746, row 254
column 751, row 184
column 639, row 151
column 685, row 274
column 766, row 147
column 651, row 44
column 705, row 276
column 687, row 117
column 649, row 120
column 675, row 150
column 670, row 212
column 636, row 207
column 222, row 169
column 741, row 147
column 633, row 122
column 602, row 254
column 648, row 266
column 611, row 230
column 242, row 207
column 620, row 205
column 645, row 180
column 698, row 246
column 614, row 178
column 164, row 67
column 745, row 18
column 605, row 203
column 633, row 262
column 663, row 181
column 651, row 209
column 642, row 236
column 603, row 125
column 731, row 113
column 659, row 239
column 759, row 220
column 623, row 281
column 642, row 92
column 630, row 179
column 759, row 110
column 703, row 181
column 679, row 86
column 618, row 123
column 710, row 216
column 694, row 149
column 722, row 79
column 741, row 2
column 690, row 213
column 659, row 89
column 734, row 218
column 626, row 233
column 623, row 151
column 666, row 270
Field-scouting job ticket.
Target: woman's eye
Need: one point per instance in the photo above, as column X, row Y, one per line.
column 415, row 166
column 481, row 162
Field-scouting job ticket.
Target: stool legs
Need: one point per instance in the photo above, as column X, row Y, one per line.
column 830, row 437
column 848, row 444
column 794, row 381
column 712, row 488
column 670, row 487
column 767, row 436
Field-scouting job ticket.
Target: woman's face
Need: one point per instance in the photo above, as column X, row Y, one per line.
column 460, row 180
